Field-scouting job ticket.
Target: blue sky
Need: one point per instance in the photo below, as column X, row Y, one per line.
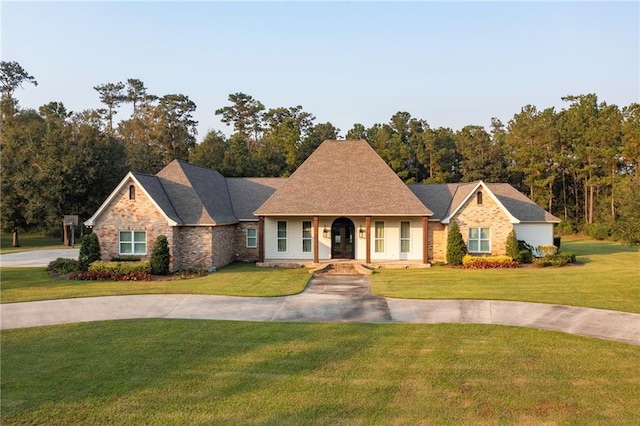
column 452, row 64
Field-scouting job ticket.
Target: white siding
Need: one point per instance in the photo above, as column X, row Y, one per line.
column 535, row 234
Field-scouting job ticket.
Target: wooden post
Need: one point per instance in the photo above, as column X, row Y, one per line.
column 316, row 238
column 261, row 239
column 425, row 239
column 367, row 221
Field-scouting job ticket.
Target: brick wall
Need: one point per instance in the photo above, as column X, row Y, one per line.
column 242, row 252
column 224, row 247
column 437, row 242
column 195, row 247
column 123, row 214
column 485, row 215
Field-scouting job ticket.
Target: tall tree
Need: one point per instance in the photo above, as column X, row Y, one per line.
column 112, row 95
column 175, row 129
column 480, row 157
column 12, row 76
column 245, row 114
column 210, row 152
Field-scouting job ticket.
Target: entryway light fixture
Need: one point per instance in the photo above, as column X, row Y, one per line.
column 361, row 232
column 325, row 232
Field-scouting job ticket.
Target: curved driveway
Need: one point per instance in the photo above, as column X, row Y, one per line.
column 328, row 299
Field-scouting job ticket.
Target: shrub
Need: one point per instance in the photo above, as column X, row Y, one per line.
column 566, row 227
column 488, row 262
column 89, row 251
column 547, row 250
column 599, row 230
column 126, row 258
column 524, row 256
column 160, row 256
column 120, row 268
column 111, row 276
column 558, row 259
column 63, row 266
column 456, row 248
column 513, row 248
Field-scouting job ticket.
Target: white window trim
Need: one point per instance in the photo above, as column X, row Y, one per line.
column 279, row 238
column 255, row 236
column 376, row 238
column 479, row 240
column 132, row 242
column 405, row 239
column 309, row 238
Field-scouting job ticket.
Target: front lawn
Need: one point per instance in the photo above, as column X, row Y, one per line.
column 29, row 284
column 607, row 277
column 31, row 241
column 210, row 372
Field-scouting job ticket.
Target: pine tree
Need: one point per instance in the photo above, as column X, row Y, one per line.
column 513, row 249
column 456, row 248
column 160, row 256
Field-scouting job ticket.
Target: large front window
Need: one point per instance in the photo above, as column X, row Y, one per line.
column 379, row 237
column 133, row 242
column 306, row 236
column 479, row 240
column 282, row 236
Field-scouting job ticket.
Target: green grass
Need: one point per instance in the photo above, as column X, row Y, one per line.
column 29, row 284
column 210, row 372
column 607, row 277
column 30, row 242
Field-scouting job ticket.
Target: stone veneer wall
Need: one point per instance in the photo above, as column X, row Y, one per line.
column 195, row 247
column 437, row 242
column 485, row 215
column 123, row 214
column 224, row 247
column 242, row 252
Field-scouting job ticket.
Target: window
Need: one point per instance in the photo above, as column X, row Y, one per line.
column 252, row 237
column 133, row 242
column 379, row 237
column 405, row 237
column 282, row 236
column 132, row 192
column 479, row 240
column 306, row 236
column 479, row 197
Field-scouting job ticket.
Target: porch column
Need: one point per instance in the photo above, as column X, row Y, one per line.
column 367, row 221
column 261, row 239
column 316, row 238
column 425, row 239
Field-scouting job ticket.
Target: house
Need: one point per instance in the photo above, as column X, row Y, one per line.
column 343, row 202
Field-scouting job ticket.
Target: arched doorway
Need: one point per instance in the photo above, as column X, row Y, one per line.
column 342, row 239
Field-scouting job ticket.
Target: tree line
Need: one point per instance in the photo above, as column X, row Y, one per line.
column 580, row 162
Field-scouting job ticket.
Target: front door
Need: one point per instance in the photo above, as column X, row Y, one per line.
column 342, row 244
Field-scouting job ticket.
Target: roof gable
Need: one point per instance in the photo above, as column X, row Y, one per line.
column 198, row 194
column 344, row 178
column 153, row 190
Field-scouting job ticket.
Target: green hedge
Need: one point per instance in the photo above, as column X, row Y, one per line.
column 122, row 268
column 488, row 262
column 559, row 259
column 63, row 266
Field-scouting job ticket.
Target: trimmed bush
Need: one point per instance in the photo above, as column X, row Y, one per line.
column 160, row 256
column 524, row 256
column 513, row 248
column 456, row 248
column 62, row 266
column 110, row 276
column 121, row 268
column 89, row 251
column 488, row 262
column 126, row 258
column 559, row 259
column 547, row 250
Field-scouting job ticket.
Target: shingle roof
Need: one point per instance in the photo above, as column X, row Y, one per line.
column 445, row 199
column 247, row 194
column 152, row 185
column 198, row 195
column 344, row 178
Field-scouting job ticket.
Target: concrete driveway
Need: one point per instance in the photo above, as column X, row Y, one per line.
column 328, row 299
column 36, row 257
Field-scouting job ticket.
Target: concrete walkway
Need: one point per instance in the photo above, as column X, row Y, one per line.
column 37, row 257
column 328, row 299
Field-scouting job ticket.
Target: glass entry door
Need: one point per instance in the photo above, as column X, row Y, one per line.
column 342, row 239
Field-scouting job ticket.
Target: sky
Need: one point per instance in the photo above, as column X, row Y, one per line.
column 452, row 64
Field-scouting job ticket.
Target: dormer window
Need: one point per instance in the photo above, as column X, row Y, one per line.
column 479, row 197
column 132, row 192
